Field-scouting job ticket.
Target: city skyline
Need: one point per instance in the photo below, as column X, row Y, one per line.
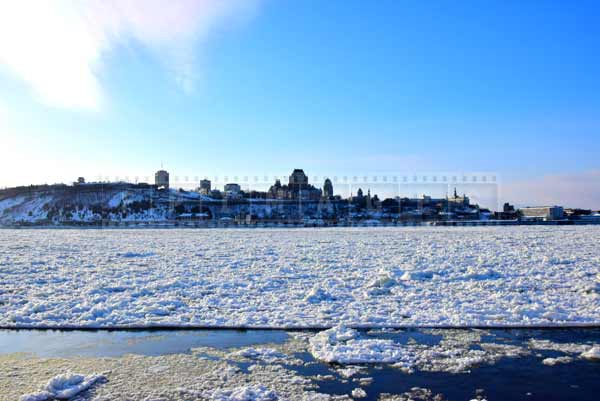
column 341, row 89
column 483, row 188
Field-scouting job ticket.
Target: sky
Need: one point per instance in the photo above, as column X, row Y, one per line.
column 228, row 89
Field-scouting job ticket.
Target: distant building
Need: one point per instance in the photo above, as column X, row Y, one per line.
column 161, row 179
column 205, row 187
column 232, row 189
column 456, row 200
column 507, row 208
column 508, row 213
column 298, row 178
column 328, row 189
column 369, row 201
column 80, row 180
column 298, row 188
column 543, row 212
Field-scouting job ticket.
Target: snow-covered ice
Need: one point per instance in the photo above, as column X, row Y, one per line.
column 557, row 360
column 63, row 387
column 592, row 354
column 359, row 393
column 245, row 393
column 268, row 355
column 343, row 345
column 369, row 277
column 455, row 353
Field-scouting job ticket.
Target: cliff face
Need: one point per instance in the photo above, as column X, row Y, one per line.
column 95, row 203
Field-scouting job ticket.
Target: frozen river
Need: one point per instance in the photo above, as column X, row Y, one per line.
column 301, row 278
column 429, row 365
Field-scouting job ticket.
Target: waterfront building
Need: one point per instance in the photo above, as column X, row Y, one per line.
column 543, row 212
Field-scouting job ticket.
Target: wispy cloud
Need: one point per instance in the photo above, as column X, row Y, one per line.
column 56, row 47
column 572, row 190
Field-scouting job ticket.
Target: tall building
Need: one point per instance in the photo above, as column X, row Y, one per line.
column 161, row 179
column 328, row 189
column 298, row 188
column 204, row 188
column 298, row 178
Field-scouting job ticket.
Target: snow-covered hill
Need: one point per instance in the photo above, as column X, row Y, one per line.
column 52, row 205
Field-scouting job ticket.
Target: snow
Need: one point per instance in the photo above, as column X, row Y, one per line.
column 349, row 371
column 116, row 200
column 268, row 355
column 245, row 393
column 457, row 352
column 301, row 278
column 556, row 361
column 8, row 203
column 592, row 354
column 64, row 386
column 343, row 345
column 567, row 348
column 317, row 294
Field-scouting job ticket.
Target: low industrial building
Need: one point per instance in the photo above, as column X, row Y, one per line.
column 543, row 212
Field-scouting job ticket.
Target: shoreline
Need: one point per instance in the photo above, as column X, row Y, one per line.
column 316, row 328
column 216, row 225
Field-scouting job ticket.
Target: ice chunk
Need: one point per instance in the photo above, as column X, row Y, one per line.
column 380, row 285
column 349, row 371
column 359, row 393
column 268, row 355
column 343, row 345
column 592, row 354
column 556, row 361
column 567, row 348
column 317, row 294
column 417, row 275
column 244, row 393
column 64, row 386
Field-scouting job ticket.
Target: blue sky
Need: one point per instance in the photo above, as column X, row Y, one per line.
column 348, row 87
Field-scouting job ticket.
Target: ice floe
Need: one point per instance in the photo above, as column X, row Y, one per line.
column 592, row 354
column 457, row 352
column 245, row 393
column 359, row 393
column 567, row 348
column 268, row 355
column 64, row 386
column 556, row 361
column 343, row 345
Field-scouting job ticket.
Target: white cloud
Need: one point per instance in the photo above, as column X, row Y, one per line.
column 56, row 46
